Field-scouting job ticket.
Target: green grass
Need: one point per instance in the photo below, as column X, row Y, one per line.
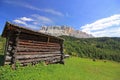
column 74, row 69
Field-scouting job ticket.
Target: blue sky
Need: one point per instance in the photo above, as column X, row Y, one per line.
column 100, row 18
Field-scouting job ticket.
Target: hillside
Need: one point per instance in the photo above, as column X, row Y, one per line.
column 96, row 48
column 64, row 30
column 74, row 69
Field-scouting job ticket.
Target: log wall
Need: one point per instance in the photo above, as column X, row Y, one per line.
column 28, row 48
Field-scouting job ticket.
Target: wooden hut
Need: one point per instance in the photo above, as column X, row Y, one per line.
column 27, row 46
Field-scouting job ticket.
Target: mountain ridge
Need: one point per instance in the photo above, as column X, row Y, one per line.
column 64, row 30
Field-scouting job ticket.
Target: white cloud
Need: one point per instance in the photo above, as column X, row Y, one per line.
column 34, row 21
column 23, row 20
column 53, row 12
column 19, row 22
column 108, row 33
column 26, row 19
column 28, row 25
column 104, row 27
column 41, row 19
column 44, row 10
column 26, row 5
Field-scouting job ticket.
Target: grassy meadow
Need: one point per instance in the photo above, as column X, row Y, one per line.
column 75, row 68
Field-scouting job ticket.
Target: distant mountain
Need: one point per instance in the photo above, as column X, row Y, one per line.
column 64, row 30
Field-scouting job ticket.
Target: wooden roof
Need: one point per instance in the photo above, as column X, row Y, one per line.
column 14, row 27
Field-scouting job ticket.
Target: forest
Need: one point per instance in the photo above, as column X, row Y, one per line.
column 95, row 48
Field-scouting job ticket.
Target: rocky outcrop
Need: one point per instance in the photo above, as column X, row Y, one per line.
column 64, row 30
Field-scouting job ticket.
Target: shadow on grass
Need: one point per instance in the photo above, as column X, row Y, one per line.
column 1, row 60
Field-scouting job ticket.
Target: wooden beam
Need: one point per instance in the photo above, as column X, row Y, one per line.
column 15, row 49
column 62, row 54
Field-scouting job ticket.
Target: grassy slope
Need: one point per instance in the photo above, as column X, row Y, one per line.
column 74, row 69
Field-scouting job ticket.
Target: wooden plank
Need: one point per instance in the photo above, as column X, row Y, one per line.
column 39, row 59
column 37, row 42
column 20, row 49
column 36, row 56
column 33, row 53
column 35, row 62
column 38, row 47
column 28, row 57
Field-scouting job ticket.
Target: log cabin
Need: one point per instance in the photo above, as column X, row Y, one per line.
column 26, row 46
